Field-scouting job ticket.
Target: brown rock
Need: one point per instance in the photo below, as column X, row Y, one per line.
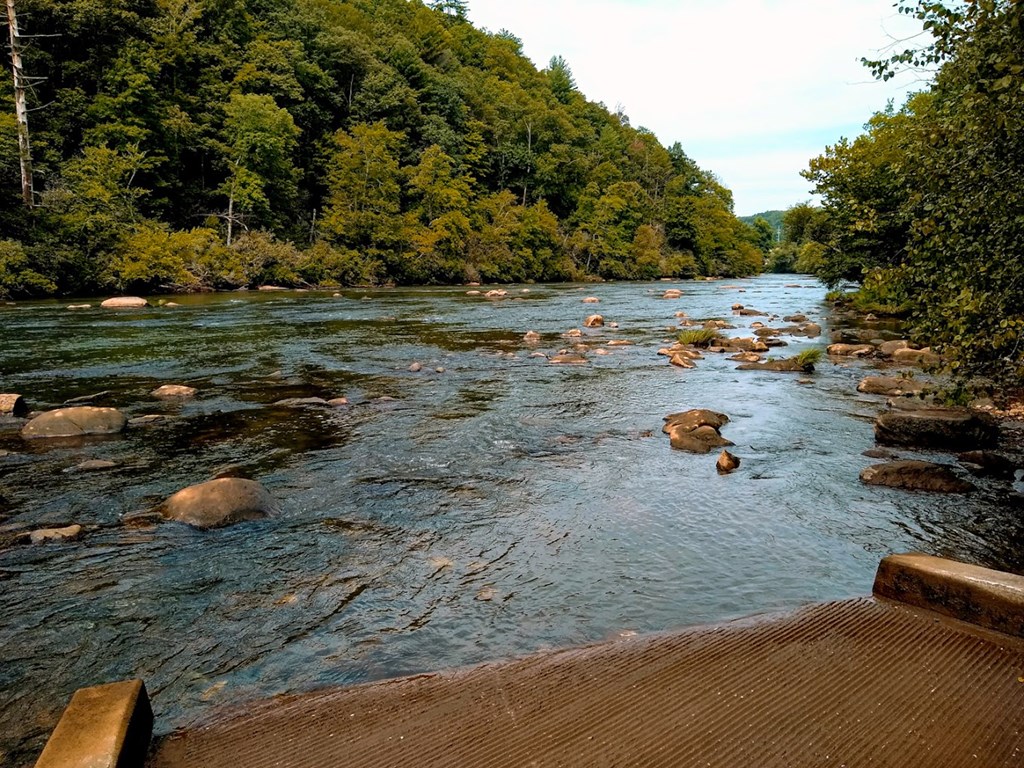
column 693, row 419
column 682, row 440
column 726, row 463
column 849, row 350
column 573, row 333
column 43, row 535
column 746, row 312
column 988, row 463
column 915, row 476
column 472, row 293
column 124, row 302
column 591, row 300
column 891, row 386
column 798, row 318
column 75, row 422
column 220, row 502
column 271, row 288
column 709, row 435
column 593, row 321
column 953, row 429
column 415, row 367
column 173, row 391
column 923, row 357
column 337, row 402
column 672, row 293
column 496, row 293
column 746, row 357
column 737, row 307
column 789, row 365
column 681, row 362
column 889, row 348
column 79, row 306
column 619, row 343
column 13, row 405
column 531, row 337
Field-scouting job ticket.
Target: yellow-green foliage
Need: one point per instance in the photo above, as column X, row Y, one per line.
column 699, row 337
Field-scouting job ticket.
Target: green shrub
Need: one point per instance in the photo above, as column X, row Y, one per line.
column 699, row 337
column 808, row 358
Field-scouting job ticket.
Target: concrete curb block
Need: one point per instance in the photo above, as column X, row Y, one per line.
column 980, row 596
column 107, row 726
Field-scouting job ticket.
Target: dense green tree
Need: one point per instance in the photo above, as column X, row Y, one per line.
column 927, row 207
column 329, row 141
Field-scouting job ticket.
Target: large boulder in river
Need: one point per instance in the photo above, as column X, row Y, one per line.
column 124, row 302
column 75, row 422
column 593, row 321
column 696, row 431
column 951, row 429
column 915, row 476
column 220, row 502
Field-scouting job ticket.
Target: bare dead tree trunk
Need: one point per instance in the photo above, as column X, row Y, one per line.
column 20, row 107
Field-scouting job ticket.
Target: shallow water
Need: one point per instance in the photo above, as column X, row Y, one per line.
column 549, row 489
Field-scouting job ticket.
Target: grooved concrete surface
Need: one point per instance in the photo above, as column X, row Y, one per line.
column 852, row 683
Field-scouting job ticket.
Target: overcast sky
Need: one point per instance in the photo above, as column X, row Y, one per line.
column 752, row 89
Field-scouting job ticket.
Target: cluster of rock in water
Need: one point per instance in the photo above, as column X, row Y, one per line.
column 910, row 422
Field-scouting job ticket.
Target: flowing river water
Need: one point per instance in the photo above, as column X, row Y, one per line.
column 499, row 507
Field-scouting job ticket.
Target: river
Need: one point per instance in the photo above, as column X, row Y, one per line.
column 499, row 507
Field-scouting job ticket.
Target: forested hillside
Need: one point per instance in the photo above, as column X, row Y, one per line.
column 195, row 144
column 926, row 208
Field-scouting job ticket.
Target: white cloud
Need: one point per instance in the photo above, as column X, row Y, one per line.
column 721, row 75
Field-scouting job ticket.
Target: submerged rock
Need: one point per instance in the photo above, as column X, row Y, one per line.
column 531, row 337
column 591, row 300
column 43, row 535
column 75, row 422
column 220, row 502
column 298, row 402
column 95, row 465
column 915, row 476
column 172, row 391
column 952, row 429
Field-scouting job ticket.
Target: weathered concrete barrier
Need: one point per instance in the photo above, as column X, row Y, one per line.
column 977, row 595
column 107, row 726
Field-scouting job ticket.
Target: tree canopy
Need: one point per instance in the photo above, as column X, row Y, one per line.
column 193, row 144
column 926, row 208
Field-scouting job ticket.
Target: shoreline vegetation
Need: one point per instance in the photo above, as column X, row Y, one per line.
column 924, row 212
column 309, row 142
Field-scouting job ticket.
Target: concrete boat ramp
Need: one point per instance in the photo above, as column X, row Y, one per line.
column 928, row 671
